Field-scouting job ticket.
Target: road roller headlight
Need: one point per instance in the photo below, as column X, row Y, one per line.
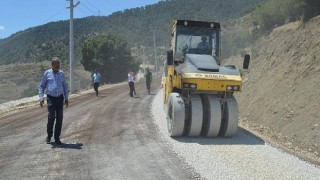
column 190, row 85
column 232, row 88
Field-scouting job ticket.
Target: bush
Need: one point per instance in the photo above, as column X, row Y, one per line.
column 276, row 13
column 32, row 90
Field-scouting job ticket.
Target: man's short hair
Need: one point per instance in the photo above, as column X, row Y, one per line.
column 55, row 59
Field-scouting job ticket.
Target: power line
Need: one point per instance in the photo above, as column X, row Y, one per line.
column 92, row 5
column 113, row 3
column 54, row 15
column 86, row 11
column 94, row 13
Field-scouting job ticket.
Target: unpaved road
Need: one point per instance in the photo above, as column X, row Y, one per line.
column 106, row 137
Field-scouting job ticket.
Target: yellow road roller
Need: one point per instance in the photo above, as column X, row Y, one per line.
column 198, row 92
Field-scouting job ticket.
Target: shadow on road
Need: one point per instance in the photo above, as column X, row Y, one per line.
column 102, row 95
column 242, row 137
column 67, row 146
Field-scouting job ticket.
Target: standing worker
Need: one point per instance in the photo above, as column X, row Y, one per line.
column 148, row 76
column 96, row 81
column 54, row 82
column 134, row 80
column 131, row 83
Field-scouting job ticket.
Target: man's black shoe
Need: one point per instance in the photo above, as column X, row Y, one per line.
column 58, row 142
column 48, row 139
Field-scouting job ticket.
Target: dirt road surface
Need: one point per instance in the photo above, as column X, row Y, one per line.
column 107, row 137
column 114, row 136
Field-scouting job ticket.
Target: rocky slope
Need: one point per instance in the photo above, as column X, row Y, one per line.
column 281, row 94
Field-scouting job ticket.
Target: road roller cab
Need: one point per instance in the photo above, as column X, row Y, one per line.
column 197, row 90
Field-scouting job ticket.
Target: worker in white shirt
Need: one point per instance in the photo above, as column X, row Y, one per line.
column 131, row 83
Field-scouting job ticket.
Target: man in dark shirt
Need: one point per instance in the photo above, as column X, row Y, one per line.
column 203, row 44
column 148, row 76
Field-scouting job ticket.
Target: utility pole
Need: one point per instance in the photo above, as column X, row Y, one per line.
column 155, row 54
column 71, row 44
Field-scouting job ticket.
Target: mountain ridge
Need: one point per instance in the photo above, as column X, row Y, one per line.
column 136, row 25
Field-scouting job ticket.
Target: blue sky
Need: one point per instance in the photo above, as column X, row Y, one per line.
column 18, row 15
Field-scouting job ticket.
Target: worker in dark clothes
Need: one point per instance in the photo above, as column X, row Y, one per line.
column 148, row 76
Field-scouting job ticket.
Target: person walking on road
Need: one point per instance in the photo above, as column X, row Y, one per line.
column 131, row 83
column 148, row 76
column 134, row 80
column 96, row 81
column 54, row 82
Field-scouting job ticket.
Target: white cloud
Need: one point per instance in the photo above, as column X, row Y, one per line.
column 2, row 28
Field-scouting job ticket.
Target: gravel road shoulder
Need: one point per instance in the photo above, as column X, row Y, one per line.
column 241, row 157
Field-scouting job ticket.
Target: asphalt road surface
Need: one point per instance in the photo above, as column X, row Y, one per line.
column 107, row 137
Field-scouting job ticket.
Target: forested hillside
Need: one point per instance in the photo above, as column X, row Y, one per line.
column 136, row 25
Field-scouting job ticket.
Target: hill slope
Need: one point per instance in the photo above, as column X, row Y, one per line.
column 136, row 25
column 281, row 96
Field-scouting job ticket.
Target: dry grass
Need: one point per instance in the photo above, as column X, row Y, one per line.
column 22, row 80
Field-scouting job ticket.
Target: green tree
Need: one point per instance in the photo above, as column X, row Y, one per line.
column 311, row 8
column 275, row 13
column 110, row 55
